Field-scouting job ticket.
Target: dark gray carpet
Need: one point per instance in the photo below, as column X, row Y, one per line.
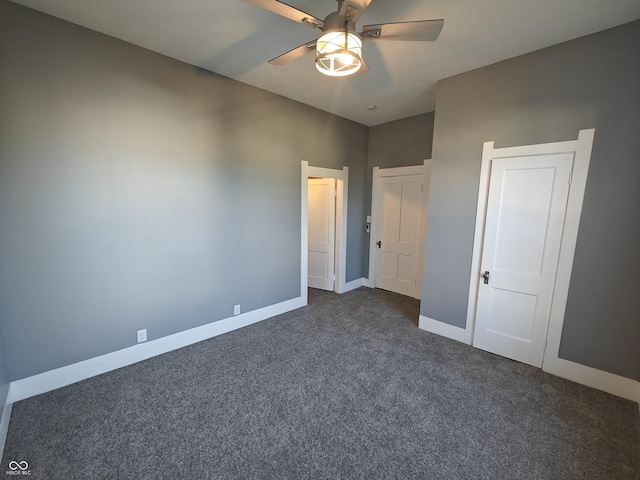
column 345, row 388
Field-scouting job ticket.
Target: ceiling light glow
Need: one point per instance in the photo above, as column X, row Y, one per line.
column 339, row 53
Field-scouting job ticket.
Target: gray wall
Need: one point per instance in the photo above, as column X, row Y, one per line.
column 401, row 143
column 541, row 97
column 140, row 192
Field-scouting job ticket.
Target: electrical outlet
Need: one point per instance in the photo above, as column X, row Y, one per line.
column 236, row 309
column 142, row 335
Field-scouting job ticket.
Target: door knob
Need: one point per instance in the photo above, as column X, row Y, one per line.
column 485, row 275
column 379, row 243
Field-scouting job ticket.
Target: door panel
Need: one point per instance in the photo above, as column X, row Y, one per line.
column 399, row 234
column 405, row 268
column 321, row 224
column 318, row 264
column 523, row 228
column 505, row 305
column 391, row 195
column 521, row 223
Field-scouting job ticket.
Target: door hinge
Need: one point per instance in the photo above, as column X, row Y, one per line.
column 570, row 176
column 335, row 193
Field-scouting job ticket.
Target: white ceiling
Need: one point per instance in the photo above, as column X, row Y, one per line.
column 235, row 39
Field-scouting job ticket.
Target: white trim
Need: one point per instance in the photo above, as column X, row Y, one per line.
column 568, row 146
column 342, row 193
column 591, row 377
column 352, row 285
column 424, row 208
column 481, row 214
column 324, row 172
column 441, row 328
column 304, row 230
column 376, row 213
column 401, row 171
column 581, row 148
column 552, row 363
column 63, row 376
column 341, row 231
column 4, row 421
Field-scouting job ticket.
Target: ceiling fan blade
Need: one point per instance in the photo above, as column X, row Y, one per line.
column 421, row 31
column 294, row 54
column 352, row 9
column 289, row 12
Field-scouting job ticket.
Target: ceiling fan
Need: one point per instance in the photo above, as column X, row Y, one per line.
column 339, row 47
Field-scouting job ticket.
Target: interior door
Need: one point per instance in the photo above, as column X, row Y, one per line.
column 526, row 208
column 399, row 234
column 321, row 222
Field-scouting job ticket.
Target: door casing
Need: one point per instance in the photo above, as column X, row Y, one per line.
column 581, row 149
column 342, row 191
column 376, row 216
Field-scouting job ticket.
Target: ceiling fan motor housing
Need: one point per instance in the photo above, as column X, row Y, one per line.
column 335, row 22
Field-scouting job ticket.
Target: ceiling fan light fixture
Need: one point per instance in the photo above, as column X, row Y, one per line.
column 339, row 53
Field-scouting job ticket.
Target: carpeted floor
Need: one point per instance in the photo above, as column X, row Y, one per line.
column 346, row 388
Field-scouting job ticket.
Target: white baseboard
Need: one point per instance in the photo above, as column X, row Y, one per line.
column 60, row 377
column 4, row 421
column 352, row 285
column 591, row 377
column 369, row 282
column 443, row 329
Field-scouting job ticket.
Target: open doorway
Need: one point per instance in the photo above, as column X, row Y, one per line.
column 337, row 259
column 321, row 229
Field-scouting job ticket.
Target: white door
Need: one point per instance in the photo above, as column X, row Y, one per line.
column 321, row 215
column 399, row 234
column 526, row 208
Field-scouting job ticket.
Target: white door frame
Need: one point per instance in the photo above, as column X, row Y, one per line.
column 581, row 148
column 342, row 191
column 376, row 216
